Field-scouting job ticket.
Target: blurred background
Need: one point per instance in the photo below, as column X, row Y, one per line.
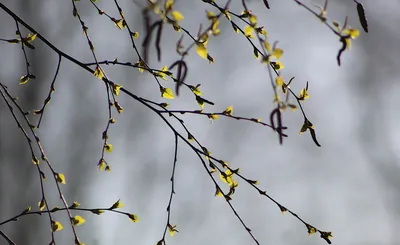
column 349, row 186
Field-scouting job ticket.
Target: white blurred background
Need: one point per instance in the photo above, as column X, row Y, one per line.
column 350, row 186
